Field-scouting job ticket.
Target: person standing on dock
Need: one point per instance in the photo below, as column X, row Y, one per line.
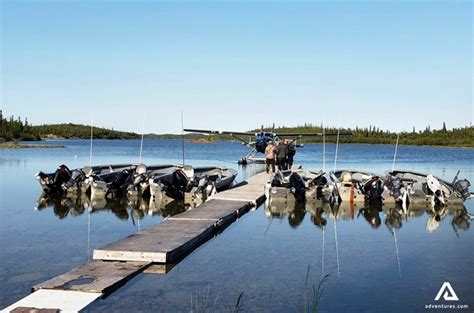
column 291, row 153
column 282, row 155
column 270, row 153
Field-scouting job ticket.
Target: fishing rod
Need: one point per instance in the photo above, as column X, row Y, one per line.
column 324, row 149
column 395, row 154
column 92, row 135
column 404, row 207
column 182, row 135
column 90, row 208
column 337, row 148
column 141, row 142
column 337, row 209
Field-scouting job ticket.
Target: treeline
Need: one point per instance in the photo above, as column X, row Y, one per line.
column 78, row 131
column 16, row 129
column 461, row 137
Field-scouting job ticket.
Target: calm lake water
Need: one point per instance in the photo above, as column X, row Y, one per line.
column 272, row 259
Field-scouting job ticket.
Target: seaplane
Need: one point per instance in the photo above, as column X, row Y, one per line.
column 261, row 140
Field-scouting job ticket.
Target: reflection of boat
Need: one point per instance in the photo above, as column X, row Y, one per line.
column 122, row 208
column 296, row 211
column 62, row 206
column 410, row 187
column 393, row 215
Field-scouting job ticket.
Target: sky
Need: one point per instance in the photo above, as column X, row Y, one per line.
column 235, row 65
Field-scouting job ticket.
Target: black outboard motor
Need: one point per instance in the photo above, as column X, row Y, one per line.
column 52, row 182
column 298, row 187
column 62, row 174
column 121, row 182
column 77, row 177
column 319, row 182
column 373, row 190
column 177, row 186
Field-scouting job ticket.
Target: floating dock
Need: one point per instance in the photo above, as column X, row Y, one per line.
column 153, row 250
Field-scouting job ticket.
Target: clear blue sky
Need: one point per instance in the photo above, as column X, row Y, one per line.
column 237, row 65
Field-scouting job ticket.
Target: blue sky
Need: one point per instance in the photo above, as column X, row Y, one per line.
column 237, row 65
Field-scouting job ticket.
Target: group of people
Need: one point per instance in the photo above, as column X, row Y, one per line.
column 280, row 155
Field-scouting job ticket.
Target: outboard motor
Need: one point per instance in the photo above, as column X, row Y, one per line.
column 461, row 187
column 52, row 182
column 394, row 184
column 120, row 184
column 177, row 186
column 62, row 175
column 319, row 182
column 298, row 187
column 373, row 190
column 77, row 177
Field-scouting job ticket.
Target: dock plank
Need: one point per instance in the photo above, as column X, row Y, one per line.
column 59, row 300
column 162, row 243
column 96, row 276
column 213, row 209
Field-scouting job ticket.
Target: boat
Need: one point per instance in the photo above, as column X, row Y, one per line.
column 66, row 181
column 412, row 187
column 358, row 186
column 297, row 185
column 189, row 183
column 128, row 181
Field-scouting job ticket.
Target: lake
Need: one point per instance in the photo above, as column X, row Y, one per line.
column 268, row 261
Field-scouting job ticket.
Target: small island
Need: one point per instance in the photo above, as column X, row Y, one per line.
column 17, row 145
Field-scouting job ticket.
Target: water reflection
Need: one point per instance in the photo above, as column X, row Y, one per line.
column 392, row 215
column 12, row 162
column 122, row 208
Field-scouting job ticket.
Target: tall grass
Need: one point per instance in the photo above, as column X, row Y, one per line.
column 316, row 292
column 202, row 304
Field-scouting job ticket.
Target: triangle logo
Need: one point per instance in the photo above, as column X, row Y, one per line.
column 447, row 292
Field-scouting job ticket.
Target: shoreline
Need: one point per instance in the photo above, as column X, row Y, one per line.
column 12, row 145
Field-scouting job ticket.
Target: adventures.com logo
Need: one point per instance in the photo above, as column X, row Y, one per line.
column 447, row 293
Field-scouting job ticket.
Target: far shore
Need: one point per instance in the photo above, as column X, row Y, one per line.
column 16, row 145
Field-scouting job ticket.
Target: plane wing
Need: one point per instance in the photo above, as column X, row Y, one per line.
column 207, row 131
column 314, row 135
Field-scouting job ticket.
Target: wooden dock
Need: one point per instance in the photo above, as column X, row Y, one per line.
column 153, row 250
